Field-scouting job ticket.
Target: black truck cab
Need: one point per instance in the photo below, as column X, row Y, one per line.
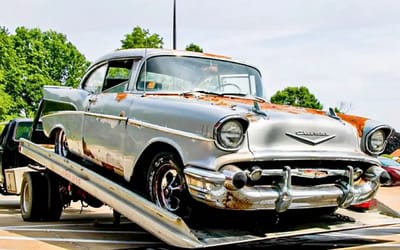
column 10, row 157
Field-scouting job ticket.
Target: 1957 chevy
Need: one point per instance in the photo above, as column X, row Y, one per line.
column 186, row 128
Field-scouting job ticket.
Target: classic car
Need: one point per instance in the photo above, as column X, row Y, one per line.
column 393, row 169
column 185, row 128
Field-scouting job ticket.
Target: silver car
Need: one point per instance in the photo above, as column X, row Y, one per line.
column 185, row 128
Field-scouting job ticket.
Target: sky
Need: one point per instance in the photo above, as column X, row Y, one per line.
column 346, row 52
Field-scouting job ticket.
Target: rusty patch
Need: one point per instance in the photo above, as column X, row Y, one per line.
column 357, row 121
column 120, row 96
column 216, row 56
column 107, row 166
column 232, row 202
column 86, row 151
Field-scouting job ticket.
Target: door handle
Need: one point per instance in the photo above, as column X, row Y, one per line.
column 92, row 99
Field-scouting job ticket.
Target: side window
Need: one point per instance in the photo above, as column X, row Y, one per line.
column 95, row 81
column 118, row 75
column 22, row 130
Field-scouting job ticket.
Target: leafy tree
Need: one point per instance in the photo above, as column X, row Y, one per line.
column 32, row 59
column 6, row 104
column 141, row 38
column 194, row 47
column 296, row 96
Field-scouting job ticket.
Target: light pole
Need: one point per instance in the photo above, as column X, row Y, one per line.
column 174, row 27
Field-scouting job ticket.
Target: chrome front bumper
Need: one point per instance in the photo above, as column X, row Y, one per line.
column 216, row 190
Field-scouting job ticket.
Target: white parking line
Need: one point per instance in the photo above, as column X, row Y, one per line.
column 69, row 230
column 79, row 240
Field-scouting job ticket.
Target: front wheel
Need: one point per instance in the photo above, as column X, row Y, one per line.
column 166, row 184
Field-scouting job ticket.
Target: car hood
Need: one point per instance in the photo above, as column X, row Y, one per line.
column 272, row 127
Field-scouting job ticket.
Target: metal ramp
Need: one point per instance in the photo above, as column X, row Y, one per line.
column 171, row 228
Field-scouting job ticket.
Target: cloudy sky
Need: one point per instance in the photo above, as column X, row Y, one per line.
column 346, row 52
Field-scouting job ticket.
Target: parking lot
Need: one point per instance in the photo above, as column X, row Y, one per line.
column 90, row 228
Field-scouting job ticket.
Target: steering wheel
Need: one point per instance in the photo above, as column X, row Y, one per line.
column 230, row 84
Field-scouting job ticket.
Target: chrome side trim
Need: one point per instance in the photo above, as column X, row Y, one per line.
column 137, row 123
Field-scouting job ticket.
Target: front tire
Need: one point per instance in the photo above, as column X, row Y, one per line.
column 166, row 185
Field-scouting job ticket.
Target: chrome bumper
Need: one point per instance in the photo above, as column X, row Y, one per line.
column 216, row 190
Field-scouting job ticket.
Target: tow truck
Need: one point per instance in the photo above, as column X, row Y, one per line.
column 35, row 180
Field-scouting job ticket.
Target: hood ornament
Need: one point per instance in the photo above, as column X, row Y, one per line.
column 312, row 138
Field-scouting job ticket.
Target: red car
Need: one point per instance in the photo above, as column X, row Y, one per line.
column 393, row 168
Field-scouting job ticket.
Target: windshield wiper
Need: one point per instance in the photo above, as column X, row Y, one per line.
column 201, row 91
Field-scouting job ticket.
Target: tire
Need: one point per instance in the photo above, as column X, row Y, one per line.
column 54, row 201
column 166, row 185
column 33, row 200
column 61, row 144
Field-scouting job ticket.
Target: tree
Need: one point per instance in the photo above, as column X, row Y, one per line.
column 141, row 38
column 296, row 96
column 6, row 104
column 194, row 47
column 32, row 59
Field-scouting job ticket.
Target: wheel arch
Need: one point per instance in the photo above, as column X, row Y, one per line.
column 138, row 177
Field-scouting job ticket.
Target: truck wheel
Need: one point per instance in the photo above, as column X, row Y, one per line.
column 61, row 144
column 33, row 201
column 166, row 184
column 54, row 202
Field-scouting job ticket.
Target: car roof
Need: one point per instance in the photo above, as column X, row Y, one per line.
column 149, row 52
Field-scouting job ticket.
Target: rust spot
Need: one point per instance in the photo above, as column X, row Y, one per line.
column 107, row 166
column 86, row 151
column 120, row 96
column 357, row 121
column 216, row 56
column 232, row 202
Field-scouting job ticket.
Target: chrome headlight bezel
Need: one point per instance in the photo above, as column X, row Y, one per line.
column 229, row 133
column 376, row 140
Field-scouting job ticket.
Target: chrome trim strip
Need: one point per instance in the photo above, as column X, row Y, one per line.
column 137, row 123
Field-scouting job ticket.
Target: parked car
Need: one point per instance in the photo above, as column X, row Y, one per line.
column 393, row 168
column 185, row 128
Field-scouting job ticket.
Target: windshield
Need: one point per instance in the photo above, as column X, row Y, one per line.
column 183, row 74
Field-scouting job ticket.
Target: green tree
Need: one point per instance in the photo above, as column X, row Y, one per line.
column 296, row 96
column 141, row 38
column 193, row 47
column 6, row 105
column 32, row 59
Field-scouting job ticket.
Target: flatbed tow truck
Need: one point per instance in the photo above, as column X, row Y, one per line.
column 168, row 227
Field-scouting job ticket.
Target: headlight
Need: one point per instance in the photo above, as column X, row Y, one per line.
column 376, row 141
column 230, row 134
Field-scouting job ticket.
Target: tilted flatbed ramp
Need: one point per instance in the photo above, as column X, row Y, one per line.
column 172, row 229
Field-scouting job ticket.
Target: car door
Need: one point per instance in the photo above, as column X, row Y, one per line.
column 105, row 117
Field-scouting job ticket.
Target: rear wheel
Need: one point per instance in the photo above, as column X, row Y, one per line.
column 61, row 144
column 54, row 201
column 33, row 201
column 166, row 184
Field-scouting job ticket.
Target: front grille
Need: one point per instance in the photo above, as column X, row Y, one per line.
column 304, row 173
